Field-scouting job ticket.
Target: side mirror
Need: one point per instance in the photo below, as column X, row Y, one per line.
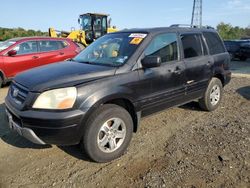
column 12, row 53
column 151, row 61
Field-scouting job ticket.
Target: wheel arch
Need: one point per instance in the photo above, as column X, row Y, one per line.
column 220, row 77
column 120, row 99
column 2, row 75
column 218, row 73
column 128, row 105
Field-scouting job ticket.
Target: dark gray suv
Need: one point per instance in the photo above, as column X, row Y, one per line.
column 98, row 98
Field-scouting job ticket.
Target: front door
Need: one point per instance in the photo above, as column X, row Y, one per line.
column 27, row 57
column 163, row 86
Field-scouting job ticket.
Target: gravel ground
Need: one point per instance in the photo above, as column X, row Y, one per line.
column 179, row 147
column 213, row 151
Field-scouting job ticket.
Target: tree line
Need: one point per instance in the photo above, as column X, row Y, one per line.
column 229, row 32
column 6, row 33
column 226, row 31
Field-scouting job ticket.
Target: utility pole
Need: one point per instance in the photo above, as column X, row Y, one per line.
column 197, row 14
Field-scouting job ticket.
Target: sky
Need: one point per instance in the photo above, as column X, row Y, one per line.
column 63, row 14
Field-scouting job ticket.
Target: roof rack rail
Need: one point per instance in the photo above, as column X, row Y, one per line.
column 191, row 26
column 182, row 25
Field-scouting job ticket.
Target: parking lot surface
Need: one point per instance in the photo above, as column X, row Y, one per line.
column 240, row 67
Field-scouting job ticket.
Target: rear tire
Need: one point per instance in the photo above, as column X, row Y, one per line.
column 107, row 133
column 213, row 95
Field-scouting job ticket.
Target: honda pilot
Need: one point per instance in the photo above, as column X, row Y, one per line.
column 98, row 98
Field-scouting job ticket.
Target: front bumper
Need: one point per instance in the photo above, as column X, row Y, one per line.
column 25, row 132
column 47, row 127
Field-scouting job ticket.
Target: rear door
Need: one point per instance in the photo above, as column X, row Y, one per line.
column 163, row 86
column 26, row 58
column 198, row 64
column 52, row 51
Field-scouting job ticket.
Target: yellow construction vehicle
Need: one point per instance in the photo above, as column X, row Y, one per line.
column 92, row 26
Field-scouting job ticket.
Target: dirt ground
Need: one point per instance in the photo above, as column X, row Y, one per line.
column 179, row 147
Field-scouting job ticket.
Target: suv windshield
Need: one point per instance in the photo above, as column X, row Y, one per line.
column 112, row 49
column 6, row 44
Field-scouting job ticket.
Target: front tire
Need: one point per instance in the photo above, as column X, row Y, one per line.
column 213, row 95
column 107, row 133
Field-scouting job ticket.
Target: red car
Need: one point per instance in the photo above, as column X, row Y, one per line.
column 20, row 54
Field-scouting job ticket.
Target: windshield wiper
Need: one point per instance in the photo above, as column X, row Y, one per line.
column 96, row 63
column 86, row 62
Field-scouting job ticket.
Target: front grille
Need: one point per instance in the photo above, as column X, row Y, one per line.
column 18, row 93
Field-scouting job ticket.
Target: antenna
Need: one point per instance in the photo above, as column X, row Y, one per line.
column 197, row 14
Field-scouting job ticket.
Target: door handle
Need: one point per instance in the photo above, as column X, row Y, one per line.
column 35, row 57
column 190, row 81
column 177, row 70
column 208, row 63
column 61, row 53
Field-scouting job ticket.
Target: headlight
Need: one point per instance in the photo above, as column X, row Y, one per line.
column 57, row 99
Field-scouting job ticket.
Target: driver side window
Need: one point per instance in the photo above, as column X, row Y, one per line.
column 98, row 27
column 165, row 46
column 104, row 24
column 97, row 24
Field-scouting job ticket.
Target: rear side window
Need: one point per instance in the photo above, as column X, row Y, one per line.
column 47, row 45
column 214, row 43
column 165, row 46
column 191, row 45
column 26, row 48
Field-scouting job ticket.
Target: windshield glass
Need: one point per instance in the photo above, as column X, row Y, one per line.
column 112, row 49
column 6, row 44
column 86, row 22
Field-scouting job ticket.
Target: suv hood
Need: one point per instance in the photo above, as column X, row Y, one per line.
column 63, row 74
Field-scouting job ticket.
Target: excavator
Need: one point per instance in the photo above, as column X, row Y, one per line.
column 92, row 26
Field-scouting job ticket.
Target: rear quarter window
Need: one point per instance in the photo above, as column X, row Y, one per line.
column 214, row 43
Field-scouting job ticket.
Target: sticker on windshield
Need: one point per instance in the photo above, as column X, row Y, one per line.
column 136, row 41
column 138, row 35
